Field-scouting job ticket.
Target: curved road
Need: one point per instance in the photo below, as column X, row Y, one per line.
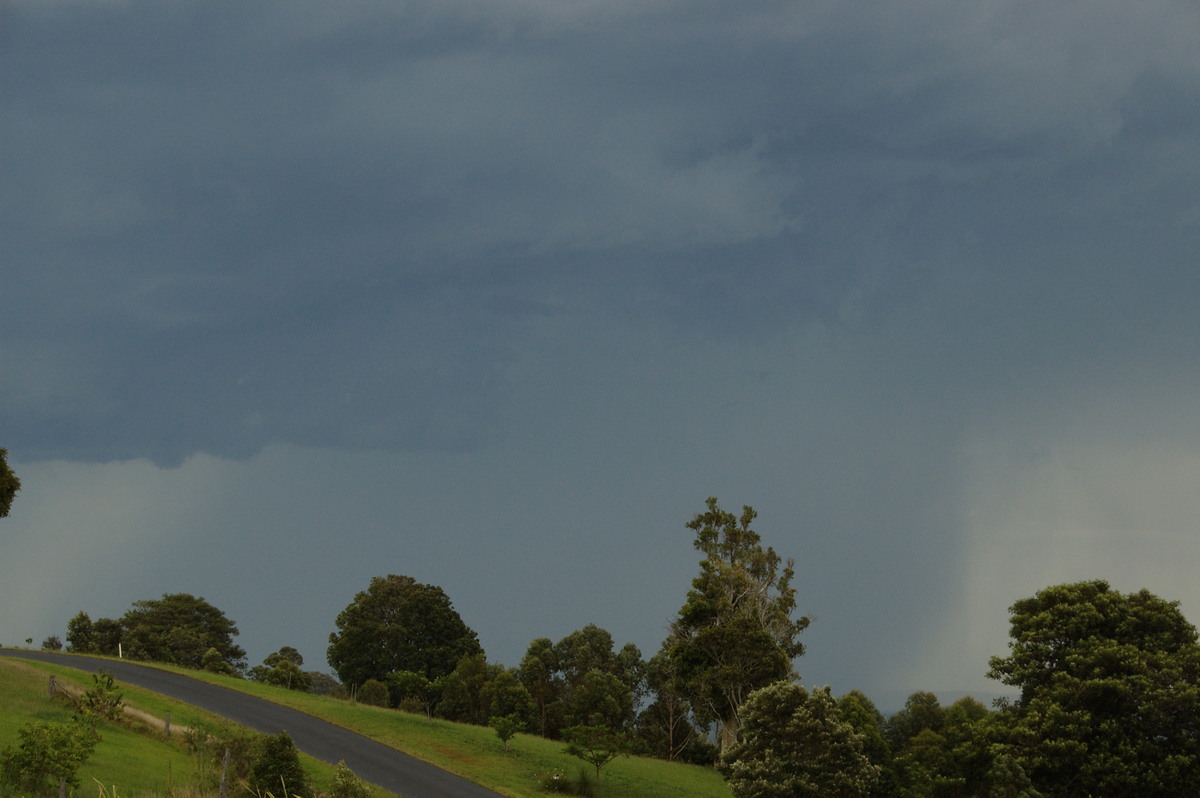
column 370, row 761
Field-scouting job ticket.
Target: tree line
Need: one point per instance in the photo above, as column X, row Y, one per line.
column 1109, row 701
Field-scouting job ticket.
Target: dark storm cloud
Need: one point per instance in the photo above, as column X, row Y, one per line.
column 232, row 225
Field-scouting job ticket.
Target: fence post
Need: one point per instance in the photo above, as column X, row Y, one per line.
column 167, row 726
column 225, row 775
column 53, row 686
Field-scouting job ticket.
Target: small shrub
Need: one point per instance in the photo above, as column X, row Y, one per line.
column 52, row 643
column 348, row 785
column 102, row 701
column 373, row 692
column 596, row 745
column 277, row 767
column 507, row 728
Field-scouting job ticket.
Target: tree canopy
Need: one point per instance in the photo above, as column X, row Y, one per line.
column 399, row 624
column 795, row 743
column 182, row 629
column 735, row 632
column 1110, row 693
column 9, row 484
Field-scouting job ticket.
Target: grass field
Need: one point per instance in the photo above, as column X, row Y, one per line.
column 133, row 758
column 473, row 752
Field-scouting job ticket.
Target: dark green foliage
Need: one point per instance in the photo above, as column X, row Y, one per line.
column 374, row 693
column 860, row 712
column 277, row 768
column 922, row 712
column 81, row 636
column 52, row 643
column 9, row 484
column 213, row 662
column 1110, row 695
column 796, row 744
column 282, row 669
column 537, row 673
column 464, row 692
column 398, row 624
column 667, row 728
column 735, row 633
column 597, row 745
column 181, row 629
column 412, row 692
column 47, row 752
column 324, row 684
column 106, row 636
column 581, row 680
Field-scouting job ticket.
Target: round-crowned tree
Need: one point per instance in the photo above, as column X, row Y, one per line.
column 399, row 624
column 796, row 744
column 1110, row 693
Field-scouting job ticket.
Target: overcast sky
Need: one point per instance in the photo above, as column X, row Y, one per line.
column 495, row 294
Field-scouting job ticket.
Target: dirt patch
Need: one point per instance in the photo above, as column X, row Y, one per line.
column 72, row 692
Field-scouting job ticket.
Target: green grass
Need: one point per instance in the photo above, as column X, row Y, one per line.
column 473, row 752
column 132, row 759
column 476, row 753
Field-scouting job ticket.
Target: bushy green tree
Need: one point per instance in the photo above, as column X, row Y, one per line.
column 398, row 624
column 735, row 633
column 506, row 727
column 582, row 680
column 9, row 484
column 597, row 745
column 81, row 634
column 180, row 629
column 464, row 697
column 277, row 768
column 861, row 713
column 47, row 753
column 538, row 673
column 282, row 668
column 1110, row 694
column 106, row 637
column 413, row 692
column 796, row 744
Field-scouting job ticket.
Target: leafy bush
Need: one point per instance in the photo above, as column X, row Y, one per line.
column 46, row 754
column 277, row 767
column 373, row 692
column 102, row 701
column 348, row 785
column 507, row 728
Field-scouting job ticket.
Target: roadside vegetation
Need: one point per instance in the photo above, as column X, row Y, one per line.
column 131, row 756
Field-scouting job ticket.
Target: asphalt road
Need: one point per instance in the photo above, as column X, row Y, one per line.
column 370, row 761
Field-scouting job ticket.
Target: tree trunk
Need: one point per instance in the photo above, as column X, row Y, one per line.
column 729, row 732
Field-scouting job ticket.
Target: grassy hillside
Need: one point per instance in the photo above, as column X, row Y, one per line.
column 476, row 753
column 470, row 751
column 132, row 758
